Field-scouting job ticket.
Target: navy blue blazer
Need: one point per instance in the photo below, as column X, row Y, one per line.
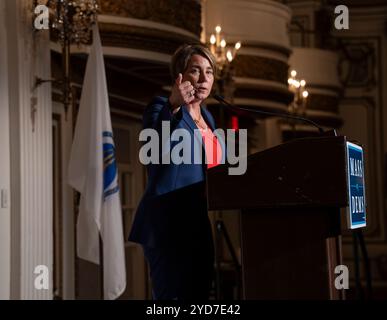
column 173, row 208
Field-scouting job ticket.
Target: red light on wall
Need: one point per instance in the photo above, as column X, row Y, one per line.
column 234, row 123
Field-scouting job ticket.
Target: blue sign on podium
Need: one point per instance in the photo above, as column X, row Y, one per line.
column 356, row 186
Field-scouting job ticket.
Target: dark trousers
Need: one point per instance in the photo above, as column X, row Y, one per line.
column 183, row 271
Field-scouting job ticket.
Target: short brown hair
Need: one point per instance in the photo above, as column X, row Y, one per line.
column 183, row 54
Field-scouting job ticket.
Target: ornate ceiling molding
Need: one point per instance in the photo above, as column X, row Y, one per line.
column 261, row 68
column 264, row 93
column 322, row 102
column 183, row 14
column 133, row 37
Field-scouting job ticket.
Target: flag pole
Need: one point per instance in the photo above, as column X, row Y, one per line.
column 101, row 278
column 86, row 173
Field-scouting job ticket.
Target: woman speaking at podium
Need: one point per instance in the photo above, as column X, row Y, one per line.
column 171, row 221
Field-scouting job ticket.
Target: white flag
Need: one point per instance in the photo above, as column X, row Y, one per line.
column 93, row 172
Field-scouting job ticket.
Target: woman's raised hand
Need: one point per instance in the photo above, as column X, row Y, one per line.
column 182, row 92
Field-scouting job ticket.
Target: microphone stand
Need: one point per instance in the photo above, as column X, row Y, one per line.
column 278, row 114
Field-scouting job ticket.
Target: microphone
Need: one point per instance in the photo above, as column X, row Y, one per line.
column 280, row 114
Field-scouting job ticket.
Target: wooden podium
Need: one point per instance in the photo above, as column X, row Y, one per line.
column 289, row 201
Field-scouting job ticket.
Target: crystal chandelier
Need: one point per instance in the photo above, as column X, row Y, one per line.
column 73, row 19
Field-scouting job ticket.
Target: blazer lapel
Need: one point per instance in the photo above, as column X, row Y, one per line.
column 191, row 124
column 188, row 119
column 207, row 118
